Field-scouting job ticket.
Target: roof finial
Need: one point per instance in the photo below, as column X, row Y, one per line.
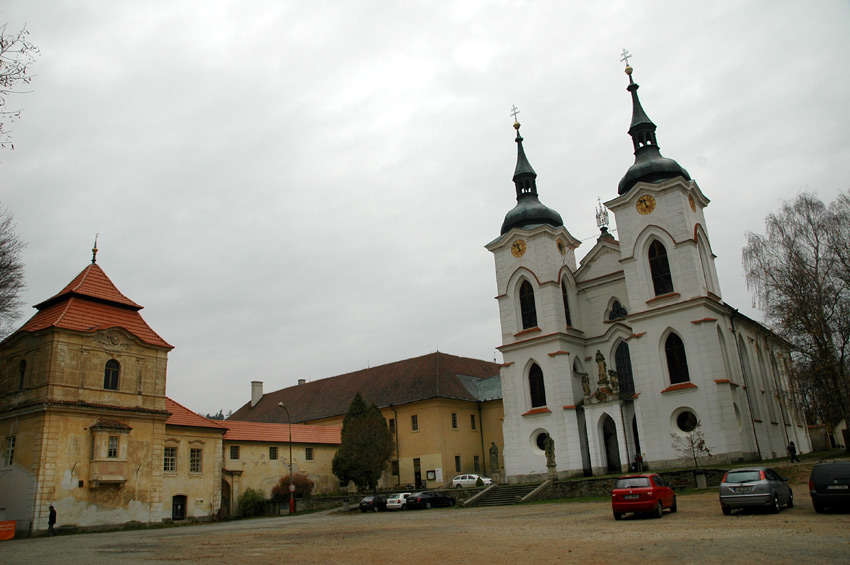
column 625, row 59
column 514, row 112
column 94, row 250
column 601, row 215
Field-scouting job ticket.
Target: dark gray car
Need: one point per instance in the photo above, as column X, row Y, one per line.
column 754, row 487
column 829, row 485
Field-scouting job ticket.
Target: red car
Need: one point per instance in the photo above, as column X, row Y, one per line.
column 642, row 493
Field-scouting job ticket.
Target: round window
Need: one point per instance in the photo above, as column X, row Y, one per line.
column 687, row 421
column 541, row 440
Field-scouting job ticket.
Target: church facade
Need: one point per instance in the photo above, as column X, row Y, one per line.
column 614, row 360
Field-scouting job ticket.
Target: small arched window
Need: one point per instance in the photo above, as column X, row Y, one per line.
column 623, row 362
column 659, row 267
column 617, row 311
column 536, row 386
column 677, row 362
column 110, row 375
column 22, row 372
column 528, row 311
column 566, row 303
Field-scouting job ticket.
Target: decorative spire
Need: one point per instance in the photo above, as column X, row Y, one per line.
column 650, row 165
column 529, row 210
column 601, row 215
column 94, row 250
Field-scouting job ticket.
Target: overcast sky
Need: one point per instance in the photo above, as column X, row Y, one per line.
column 304, row 189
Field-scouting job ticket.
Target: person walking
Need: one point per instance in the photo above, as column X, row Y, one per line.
column 792, row 451
column 51, row 520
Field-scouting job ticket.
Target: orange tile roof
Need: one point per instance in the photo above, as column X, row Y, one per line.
column 89, row 303
column 182, row 416
column 279, row 433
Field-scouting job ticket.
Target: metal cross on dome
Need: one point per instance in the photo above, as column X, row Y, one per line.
column 514, row 111
column 626, row 55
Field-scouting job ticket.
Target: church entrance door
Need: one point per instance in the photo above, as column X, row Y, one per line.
column 612, row 445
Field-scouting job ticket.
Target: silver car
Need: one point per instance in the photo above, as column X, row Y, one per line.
column 754, row 487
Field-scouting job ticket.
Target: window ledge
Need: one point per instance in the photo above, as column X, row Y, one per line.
column 541, row 410
column 679, row 387
column 662, row 297
column 528, row 331
column 726, row 382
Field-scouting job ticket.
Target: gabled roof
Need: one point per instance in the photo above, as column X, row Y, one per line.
column 90, row 303
column 436, row 375
column 279, row 433
column 182, row 416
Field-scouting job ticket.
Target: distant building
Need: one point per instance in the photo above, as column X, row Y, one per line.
column 612, row 357
column 444, row 412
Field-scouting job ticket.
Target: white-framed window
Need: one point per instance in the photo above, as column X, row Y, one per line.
column 112, row 448
column 9, row 453
column 414, row 423
column 169, row 459
column 308, row 453
column 196, row 456
column 454, row 420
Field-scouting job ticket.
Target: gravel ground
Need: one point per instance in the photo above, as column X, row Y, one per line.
column 583, row 532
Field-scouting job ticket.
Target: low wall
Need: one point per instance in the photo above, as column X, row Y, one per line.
column 591, row 486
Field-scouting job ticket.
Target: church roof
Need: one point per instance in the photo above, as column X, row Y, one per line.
column 650, row 165
column 436, row 375
column 529, row 211
column 90, row 303
column 270, row 432
column 182, row 416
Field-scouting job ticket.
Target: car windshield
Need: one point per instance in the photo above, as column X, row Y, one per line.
column 632, row 482
column 742, row 476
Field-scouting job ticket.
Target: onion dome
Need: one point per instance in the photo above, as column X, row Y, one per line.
column 529, row 211
column 650, row 165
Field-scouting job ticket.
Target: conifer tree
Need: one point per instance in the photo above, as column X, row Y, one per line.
column 366, row 448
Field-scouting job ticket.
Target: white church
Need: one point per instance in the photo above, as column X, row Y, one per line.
column 614, row 357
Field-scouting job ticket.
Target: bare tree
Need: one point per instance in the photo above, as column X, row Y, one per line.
column 692, row 444
column 16, row 54
column 800, row 274
column 11, row 272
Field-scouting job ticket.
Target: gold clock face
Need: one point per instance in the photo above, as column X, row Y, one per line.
column 518, row 248
column 645, row 204
column 562, row 248
column 692, row 203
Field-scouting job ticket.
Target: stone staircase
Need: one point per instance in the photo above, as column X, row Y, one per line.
column 504, row 495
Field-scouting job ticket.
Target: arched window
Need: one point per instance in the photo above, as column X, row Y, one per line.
column 660, row 269
column 22, row 372
column 566, row 303
column 110, row 375
column 623, row 362
column 617, row 311
column 677, row 362
column 536, row 386
column 526, row 306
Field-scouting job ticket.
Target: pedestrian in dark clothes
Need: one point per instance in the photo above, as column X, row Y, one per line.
column 792, row 451
column 51, row 520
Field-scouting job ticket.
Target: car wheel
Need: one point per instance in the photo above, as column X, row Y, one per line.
column 427, row 506
column 618, row 515
column 819, row 508
column 675, row 505
column 790, row 499
column 404, row 506
column 658, row 510
column 458, row 486
column 451, row 503
column 375, row 509
column 726, row 510
column 774, row 508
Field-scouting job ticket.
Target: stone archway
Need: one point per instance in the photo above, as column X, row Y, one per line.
column 611, row 444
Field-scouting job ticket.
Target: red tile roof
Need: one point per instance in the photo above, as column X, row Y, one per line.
column 182, row 416
column 91, row 302
column 279, row 433
column 436, row 375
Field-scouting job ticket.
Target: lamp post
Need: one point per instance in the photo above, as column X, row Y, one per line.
column 291, row 486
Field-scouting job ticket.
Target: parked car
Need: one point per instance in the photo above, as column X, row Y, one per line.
column 754, row 487
column 373, row 503
column 428, row 499
column 829, row 485
column 647, row 493
column 470, row 480
column 397, row 501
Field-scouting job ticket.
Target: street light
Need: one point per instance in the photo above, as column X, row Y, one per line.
column 291, row 486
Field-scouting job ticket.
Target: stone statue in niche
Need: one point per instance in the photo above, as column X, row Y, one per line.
column 615, row 380
column 585, row 385
column 494, row 457
column 603, row 368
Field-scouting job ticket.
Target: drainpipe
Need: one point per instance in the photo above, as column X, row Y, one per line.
column 397, row 455
column 481, row 434
column 743, row 376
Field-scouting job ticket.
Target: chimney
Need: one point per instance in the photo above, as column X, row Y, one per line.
column 256, row 392
column 301, row 381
